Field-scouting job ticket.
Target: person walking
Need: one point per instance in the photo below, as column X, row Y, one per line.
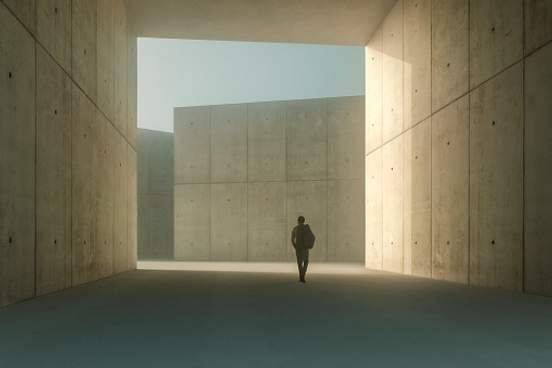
column 302, row 239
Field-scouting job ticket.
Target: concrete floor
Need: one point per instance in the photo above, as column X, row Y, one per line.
column 219, row 319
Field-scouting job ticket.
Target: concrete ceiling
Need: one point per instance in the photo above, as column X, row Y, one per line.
column 348, row 22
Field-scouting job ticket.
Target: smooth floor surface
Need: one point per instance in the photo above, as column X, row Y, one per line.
column 218, row 319
column 264, row 267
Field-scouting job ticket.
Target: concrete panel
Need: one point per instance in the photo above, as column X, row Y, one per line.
column 84, row 43
column 496, row 178
column 53, row 176
column 373, row 90
column 105, row 50
column 266, row 141
column 392, row 28
column 132, row 208
column 229, row 222
column 160, row 162
column 102, row 254
column 392, row 205
column 538, row 23
column 192, row 142
column 104, row 181
column 346, row 221
column 84, row 136
column 307, row 122
column 120, row 87
column 120, row 211
column 308, row 199
column 229, row 143
column 17, row 160
column 143, row 147
column 496, row 37
column 538, row 176
column 25, row 11
column 192, row 207
column 417, row 61
column 156, row 226
column 345, row 137
column 374, row 211
column 53, row 29
column 417, row 200
column 132, row 89
column 449, row 177
column 449, row 51
column 266, row 232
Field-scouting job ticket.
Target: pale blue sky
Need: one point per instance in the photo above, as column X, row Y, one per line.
column 176, row 73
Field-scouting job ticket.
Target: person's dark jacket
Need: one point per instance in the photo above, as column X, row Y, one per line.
column 297, row 237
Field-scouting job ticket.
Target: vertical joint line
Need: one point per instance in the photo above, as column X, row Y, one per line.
column 35, row 168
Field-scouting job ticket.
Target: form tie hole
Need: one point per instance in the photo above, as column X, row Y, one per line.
column 10, row 75
column 448, row 65
column 56, row 10
column 55, row 241
column 492, row 242
column 10, row 240
column 492, row 28
column 493, row 123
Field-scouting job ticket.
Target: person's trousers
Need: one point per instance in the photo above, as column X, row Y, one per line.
column 302, row 262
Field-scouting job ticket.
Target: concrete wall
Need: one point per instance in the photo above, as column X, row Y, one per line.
column 67, row 156
column 458, row 142
column 155, row 195
column 244, row 173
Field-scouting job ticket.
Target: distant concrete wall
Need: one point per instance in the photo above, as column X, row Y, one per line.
column 243, row 173
column 67, row 156
column 459, row 142
column 155, row 195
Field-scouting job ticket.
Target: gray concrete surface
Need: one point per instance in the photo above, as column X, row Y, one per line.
column 449, row 51
column 373, row 210
column 392, row 71
column 486, row 159
column 373, row 57
column 538, row 176
column 217, row 319
column 53, row 29
column 417, row 200
column 449, row 191
column 84, row 17
column 155, row 194
column 392, row 205
column 538, row 23
column 267, row 232
column 496, row 37
column 417, row 61
column 266, row 141
column 17, row 160
column 301, row 157
column 53, row 176
column 496, row 181
column 67, row 188
column 328, row 21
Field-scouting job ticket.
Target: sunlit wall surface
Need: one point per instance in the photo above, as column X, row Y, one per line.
column 195, row 73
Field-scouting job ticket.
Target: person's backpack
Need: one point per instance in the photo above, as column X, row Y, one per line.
column 308, row 237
